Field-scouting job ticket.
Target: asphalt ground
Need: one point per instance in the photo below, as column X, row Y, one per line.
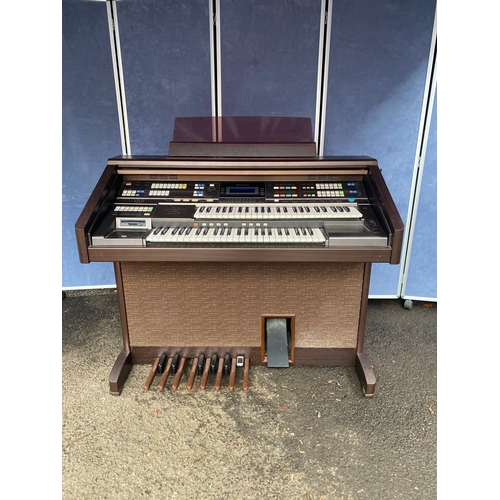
column 297, row 433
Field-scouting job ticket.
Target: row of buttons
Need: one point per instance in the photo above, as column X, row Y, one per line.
column 287, row 195
column 167, row 185
column 334, row 185
column 285, row 187
column 132, row 192
column 134, row 208
column 159, row 193
column 331, row 194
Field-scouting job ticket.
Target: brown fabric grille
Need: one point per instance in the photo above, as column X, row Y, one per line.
column 221, row 304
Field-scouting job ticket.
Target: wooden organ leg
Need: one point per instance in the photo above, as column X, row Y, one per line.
column 366, row 374
column 120, row 372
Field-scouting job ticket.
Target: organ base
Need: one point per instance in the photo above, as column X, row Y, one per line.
column 219, row 308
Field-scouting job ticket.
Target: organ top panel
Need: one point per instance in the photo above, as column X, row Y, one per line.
column 166, row 208
column 240, row 189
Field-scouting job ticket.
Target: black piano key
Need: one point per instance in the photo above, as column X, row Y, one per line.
column 213, row 364
column 227, row 364
column 162, row 363
column 175, row 364
column 201, row 364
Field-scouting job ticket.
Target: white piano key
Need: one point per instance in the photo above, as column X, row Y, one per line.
column 164, row 234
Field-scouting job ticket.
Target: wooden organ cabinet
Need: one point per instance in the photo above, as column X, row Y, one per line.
column 240, row 248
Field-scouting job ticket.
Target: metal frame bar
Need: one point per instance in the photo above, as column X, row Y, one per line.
column 215, row 62
column 114, row 38
column 325, row 31
column 418, row 169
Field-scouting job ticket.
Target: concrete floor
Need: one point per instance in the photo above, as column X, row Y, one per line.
column 298, row 433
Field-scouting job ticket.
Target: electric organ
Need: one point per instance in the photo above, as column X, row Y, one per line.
column 239, row 248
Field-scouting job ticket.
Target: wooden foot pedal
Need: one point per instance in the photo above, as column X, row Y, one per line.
column 192, row 374
column 220, row 367
column 164, row 377
column 232, row 374
column 204, row 377
column 152, row 374
column 218, row 378
column 178, row 374
column 246, row 374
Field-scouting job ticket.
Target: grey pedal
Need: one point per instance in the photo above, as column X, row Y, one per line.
column 277, row 343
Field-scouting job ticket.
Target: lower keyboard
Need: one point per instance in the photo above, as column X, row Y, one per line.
column 237, row 235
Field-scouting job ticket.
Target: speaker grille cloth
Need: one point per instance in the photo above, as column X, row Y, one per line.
column 221, row 303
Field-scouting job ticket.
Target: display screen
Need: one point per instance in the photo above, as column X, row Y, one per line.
column 242, row 190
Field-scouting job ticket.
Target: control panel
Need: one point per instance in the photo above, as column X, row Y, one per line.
column 154, row 191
